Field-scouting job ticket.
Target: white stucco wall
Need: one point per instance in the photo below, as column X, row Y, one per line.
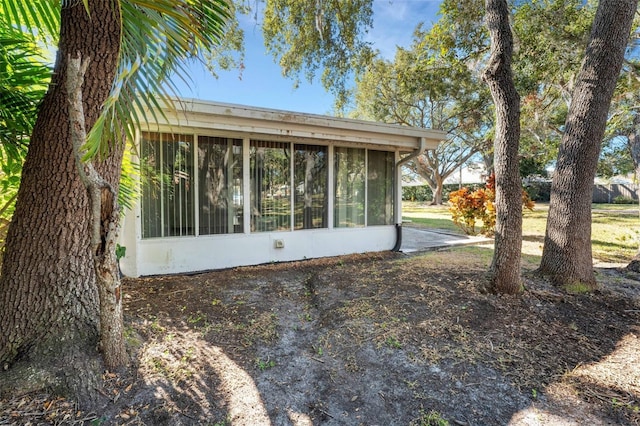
column 172, row 255
column 189, row 254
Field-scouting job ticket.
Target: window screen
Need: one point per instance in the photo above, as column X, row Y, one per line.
column 310, row 184
column 220, row 185
column 349, row 187
column 270, row 186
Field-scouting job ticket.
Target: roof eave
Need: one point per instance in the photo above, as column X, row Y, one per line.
column 271, row 122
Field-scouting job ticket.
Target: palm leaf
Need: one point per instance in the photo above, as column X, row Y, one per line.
column 40, row 17
column 23, row 82
column 158, row 37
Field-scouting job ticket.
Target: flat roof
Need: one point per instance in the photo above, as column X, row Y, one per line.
column 264, row 122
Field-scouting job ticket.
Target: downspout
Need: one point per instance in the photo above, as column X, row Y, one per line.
column 421, row 148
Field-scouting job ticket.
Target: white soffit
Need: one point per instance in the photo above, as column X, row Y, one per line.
column 198, row 114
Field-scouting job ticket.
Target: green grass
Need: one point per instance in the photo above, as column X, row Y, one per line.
column 432, row 418
column 614, row 207
column 426, row 216
column 614, row 238
column 614, row 235
column 615, row 232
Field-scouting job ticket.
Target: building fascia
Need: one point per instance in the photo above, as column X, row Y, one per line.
column 262, row 122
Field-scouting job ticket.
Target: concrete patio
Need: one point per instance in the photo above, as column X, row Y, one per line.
column 420, row 239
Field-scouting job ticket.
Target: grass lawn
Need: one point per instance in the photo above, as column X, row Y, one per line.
column 615, row 231
column 427, row 216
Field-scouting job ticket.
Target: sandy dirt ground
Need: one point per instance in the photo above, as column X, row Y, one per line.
column 376, row 339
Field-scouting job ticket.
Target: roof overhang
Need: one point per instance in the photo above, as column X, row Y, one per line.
column 263, row 122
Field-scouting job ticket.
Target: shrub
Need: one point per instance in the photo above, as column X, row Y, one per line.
column 538, row 190
column 417, row 193
column 469, row 207
column 423, row 193
column 621, row 199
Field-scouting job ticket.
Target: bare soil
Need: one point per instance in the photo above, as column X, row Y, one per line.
column 376, row 339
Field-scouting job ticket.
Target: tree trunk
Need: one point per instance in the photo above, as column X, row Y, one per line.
column 437, row 193
column 566, row 256
column 488, row 161
column 427, row 167
column 104, row 219
column 48, row 296
column 634, row 265
column 505, row 266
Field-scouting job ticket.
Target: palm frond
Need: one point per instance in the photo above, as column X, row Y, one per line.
column 159, row 36
column 40, row 17
column 129, row 187
column 23, row 82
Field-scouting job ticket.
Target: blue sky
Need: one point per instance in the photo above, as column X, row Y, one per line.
column 262, row 83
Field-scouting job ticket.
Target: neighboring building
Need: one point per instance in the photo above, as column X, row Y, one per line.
column 227, row 185
column 470, row 173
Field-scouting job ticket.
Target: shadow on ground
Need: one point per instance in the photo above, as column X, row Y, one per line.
column 377, row 339
column 385, row 339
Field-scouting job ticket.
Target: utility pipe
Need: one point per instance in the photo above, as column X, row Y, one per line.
column 398, row 208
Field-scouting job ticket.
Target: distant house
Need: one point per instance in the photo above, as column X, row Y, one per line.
column 469, row 173
column 227, row 185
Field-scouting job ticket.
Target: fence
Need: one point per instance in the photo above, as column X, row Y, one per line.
column 619, row 193
column 615, row 193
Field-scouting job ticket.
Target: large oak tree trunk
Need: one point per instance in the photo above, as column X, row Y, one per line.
column 427, row 168
column 437, row 190
column 505, row 266
column 566, row 256
column 48, row 297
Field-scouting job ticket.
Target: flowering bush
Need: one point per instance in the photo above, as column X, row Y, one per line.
column 469, row 207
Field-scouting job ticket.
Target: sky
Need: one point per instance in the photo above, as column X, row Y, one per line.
column 262, row 84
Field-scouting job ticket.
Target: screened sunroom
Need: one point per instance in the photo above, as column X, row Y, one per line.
column 228, row 185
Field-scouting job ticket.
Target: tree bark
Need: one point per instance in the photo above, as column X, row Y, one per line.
column 433, row 178
column 437, row 193
column 567, row 257
column 430, row 167
column 104, row 220
column 48, row 296
column 427, row 168
column 505, row 266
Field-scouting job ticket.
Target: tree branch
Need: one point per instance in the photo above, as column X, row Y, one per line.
column 92, row 181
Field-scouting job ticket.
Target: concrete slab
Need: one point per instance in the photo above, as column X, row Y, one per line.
column 420, row 239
